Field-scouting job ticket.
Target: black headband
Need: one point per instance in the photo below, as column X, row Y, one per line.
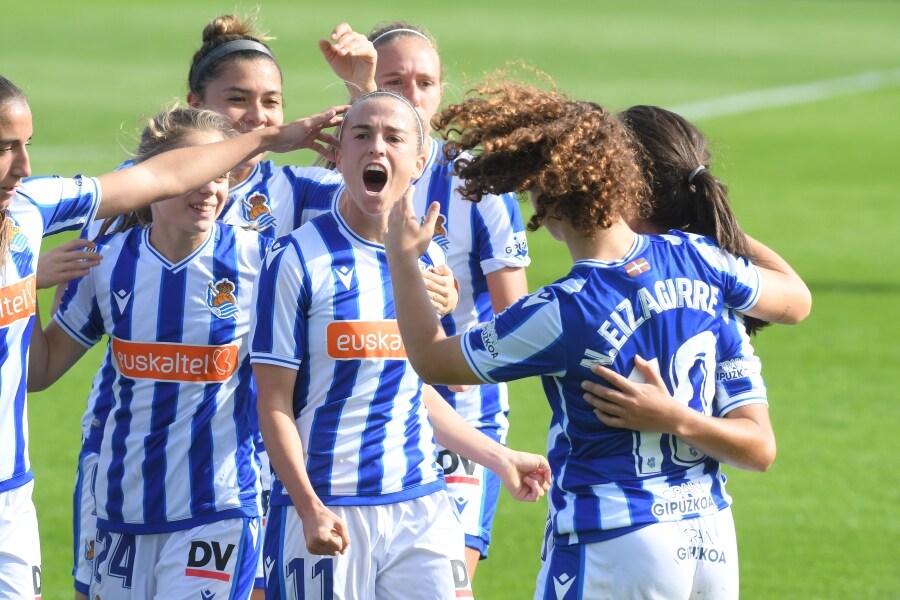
column 225, row 49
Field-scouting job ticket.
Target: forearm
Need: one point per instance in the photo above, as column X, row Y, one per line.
column 165, row 176
column 742, row 439
column 452, row 432
column 285, row 450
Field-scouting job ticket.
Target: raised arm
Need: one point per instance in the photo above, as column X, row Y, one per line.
column 353, row 58
column 325, row 532
column 525, row 475
column 179, row 171
column 742, row 438
column 434, row 356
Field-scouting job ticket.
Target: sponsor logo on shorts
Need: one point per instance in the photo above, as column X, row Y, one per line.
column 701, row 553
column 562, row 584
column 89, row 550
column 37, row 581
column 209, row 560
column 457, row 469
column 17, row 301
column 175, row 362
column 684, row 499
column 461, row 582
column 353, row 340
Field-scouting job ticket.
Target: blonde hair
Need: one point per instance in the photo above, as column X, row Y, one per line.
column 167, row 130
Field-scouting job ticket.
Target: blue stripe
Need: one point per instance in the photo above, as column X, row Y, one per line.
column 164, row 405
column 346, row 306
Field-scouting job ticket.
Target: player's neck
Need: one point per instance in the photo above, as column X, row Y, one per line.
column 609, row 244
column 175, row 245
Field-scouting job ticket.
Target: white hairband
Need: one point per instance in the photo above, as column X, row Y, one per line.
column 694, row 173
column 393, row 31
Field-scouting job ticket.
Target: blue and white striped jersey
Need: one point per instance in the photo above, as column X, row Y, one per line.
column 177, row 449
column 276, row 200
column 479, row 238
column 664, row 302
column 324, row 306
column 41, row 206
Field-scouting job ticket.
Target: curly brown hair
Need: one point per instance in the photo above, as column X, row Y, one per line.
column 576, row 155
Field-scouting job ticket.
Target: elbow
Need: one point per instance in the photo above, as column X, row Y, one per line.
column 36, row 386
column 763, row 457
column 426, row 372
column 800, row 309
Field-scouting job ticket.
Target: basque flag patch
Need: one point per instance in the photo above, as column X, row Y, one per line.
column 636, row 267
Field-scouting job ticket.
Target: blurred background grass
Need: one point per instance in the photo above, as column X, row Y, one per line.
column 816, row 180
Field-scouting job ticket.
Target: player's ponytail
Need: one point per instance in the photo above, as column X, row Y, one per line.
column 684, row 193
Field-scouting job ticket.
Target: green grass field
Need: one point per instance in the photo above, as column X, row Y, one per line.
column 811, row 174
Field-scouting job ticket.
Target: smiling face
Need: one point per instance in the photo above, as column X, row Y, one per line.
column 380, row 154
column 193, row 214
column 248, row 93
column 410, row 66
column 15, row 134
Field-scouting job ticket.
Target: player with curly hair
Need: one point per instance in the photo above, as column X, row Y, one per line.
column 626, row 498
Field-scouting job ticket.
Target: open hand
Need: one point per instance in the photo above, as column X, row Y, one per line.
column 65, row 262
column 307, row 133
column 640, row 405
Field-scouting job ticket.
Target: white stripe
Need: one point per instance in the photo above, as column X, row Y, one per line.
column 789, row 95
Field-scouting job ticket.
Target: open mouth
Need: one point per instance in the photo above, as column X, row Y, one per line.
column 374, row 178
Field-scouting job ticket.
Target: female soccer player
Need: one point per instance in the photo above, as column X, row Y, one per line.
column 623, row 502
column 359, row 507
column 487, row 251
column 41, row 206
column 177, row 485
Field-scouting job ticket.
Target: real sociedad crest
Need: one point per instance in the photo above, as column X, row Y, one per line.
column 440, row 233
column 18, row 241
column 221, row 300
column 257, row 212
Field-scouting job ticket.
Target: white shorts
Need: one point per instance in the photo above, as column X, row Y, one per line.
column 20, row 548
column 84, row 522
column 693, row 558
column 410, row 549
column 214, row 560
column 474, row 492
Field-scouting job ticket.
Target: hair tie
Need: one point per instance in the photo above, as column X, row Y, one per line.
column 225, row 49
column 694, row 173
column 402, row 30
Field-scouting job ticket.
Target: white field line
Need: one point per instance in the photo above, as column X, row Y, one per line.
column 803, row 93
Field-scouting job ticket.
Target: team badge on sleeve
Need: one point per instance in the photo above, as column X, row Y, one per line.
column 636, row 267
column 257, row 212
column 220, row 299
